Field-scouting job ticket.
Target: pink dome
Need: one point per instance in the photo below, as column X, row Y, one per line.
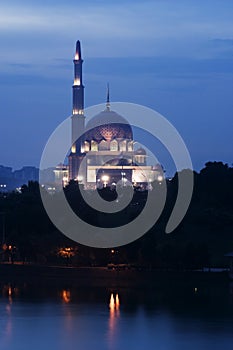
column 108, row 125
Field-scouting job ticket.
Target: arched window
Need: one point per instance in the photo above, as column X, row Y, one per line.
column 103, row 146
column 130, row 146
column 140, row 159
column 114, row 145
column 86, row 146
column 94, row 146
column 122, row 146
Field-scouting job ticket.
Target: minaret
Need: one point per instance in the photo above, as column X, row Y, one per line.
column 78, row 88
column 78, row 119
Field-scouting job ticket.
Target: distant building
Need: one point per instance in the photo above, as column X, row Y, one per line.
column 61, row 175
column 105, row 153
column 10, row 180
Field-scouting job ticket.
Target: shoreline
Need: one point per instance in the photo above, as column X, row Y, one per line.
column 102, row 276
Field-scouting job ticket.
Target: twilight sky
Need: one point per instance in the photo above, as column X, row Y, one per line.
column 173, row 56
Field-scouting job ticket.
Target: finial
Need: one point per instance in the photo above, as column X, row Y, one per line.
column 108, row 99
column 78, row 51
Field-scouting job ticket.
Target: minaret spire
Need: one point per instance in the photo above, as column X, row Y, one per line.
column 77, row 118
column 108, row 99
column 78, row 51
column 78, row 88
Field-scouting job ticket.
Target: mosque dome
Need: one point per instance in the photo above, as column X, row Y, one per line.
column 108, row 125
column 140, row 151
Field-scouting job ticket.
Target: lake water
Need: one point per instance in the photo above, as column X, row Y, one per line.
column 65, row 317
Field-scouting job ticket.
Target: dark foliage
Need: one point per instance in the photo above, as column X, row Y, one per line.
column 202, row 239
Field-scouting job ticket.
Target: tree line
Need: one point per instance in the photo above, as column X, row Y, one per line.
column 201, row 239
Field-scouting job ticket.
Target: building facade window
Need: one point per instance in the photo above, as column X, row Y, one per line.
column 114, row 145
column 122, row 146
column 86, row 146
column 94, row 146
column 103, row 146
column 130, row 146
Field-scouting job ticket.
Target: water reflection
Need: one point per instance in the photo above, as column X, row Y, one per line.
column 117, row 302
column 114, row 304
column 116, row 318
column 10, row 291
column 114, row 315
column 66, row 296
column 7, row 290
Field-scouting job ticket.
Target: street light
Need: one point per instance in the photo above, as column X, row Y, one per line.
column 105, row 179
column 160, row 178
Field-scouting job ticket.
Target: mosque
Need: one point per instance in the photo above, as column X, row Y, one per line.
column 105, row 153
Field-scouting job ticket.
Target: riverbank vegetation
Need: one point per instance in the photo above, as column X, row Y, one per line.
column 201, row 240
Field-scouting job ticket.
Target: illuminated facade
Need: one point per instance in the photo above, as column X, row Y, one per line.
column 61, row 175
column 104, row 154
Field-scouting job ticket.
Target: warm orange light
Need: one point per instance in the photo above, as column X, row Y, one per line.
column 10, row 294
column 77, row 82
column 117, row 302
column 66, row 252
column 66, row 296
column 76, row 57
column 78, row 111
column 112, row 303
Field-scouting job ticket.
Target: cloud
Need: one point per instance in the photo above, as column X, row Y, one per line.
column 39, row 32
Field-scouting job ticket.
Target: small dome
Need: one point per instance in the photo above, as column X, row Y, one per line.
column 140, row 151
column 108, row 125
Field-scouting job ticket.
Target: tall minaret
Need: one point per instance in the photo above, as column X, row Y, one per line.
column 78, row 88
column 77, row 118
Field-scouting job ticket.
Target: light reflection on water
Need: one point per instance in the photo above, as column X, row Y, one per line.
column 114, row 314
column 112, row 319
column 7, row 325
column 66, row 296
